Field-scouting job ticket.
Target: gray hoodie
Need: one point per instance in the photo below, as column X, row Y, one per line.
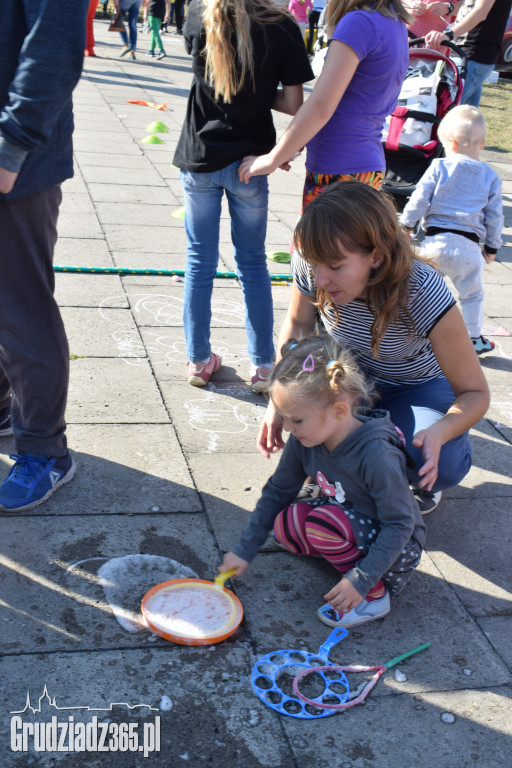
column 367, row 473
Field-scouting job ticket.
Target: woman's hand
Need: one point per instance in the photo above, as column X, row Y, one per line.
column 343, row 597
column 434, row 39
column 7, row 180
column 232, row 562
column 439, row 9
column 270, row 435
column 430, row 443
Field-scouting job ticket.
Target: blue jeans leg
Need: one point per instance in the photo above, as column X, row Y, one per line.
column 133, row 15
column 248, row 208
column 202, row 194
column 415, row 406
column 477, row 74
column 203, row 200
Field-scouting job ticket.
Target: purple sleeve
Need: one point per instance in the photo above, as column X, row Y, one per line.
column 357, row 30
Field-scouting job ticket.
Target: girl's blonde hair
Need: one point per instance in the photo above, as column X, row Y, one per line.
column 319, row 369
column 338, row 8
column 363, row 221
column 229, row 51
column 464, row 123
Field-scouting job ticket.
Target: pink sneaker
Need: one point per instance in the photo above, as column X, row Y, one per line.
column 199, row 373
column 260, row 378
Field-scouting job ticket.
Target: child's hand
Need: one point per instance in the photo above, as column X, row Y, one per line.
column 232, row 562
column 488, row 257
column 255, row 165
column 343, row 597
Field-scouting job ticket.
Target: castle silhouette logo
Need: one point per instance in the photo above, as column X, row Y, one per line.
column 63, row 733
column 51, row 702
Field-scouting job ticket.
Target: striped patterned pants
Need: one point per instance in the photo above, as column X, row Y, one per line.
column 324, row 530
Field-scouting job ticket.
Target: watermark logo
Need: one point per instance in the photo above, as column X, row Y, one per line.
column 61, row 734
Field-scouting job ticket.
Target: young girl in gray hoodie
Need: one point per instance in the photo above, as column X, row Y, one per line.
column 365, row 521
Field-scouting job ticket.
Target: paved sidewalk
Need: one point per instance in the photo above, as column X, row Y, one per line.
column 167, row 471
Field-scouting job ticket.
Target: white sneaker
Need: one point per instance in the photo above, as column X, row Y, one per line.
column 375, row 609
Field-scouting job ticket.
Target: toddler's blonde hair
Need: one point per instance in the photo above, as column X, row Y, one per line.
column 321, row 370
column 465, row 124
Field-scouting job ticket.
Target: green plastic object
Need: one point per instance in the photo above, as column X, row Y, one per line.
column 152, row 140
column 157, row 127
column 282, row 257
column 398, row 659
column 179, row 213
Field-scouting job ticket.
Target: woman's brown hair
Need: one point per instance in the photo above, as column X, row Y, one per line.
column 363, row 221
column 338, row 8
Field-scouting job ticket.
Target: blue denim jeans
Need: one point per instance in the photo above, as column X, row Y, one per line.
column 477, row 73
column 415, row 406
column 248, row 207
column 133, row 15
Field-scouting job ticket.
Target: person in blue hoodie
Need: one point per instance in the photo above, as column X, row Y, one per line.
column 37, row 39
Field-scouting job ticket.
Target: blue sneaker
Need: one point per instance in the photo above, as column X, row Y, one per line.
column 5, row 421
column 33, row 479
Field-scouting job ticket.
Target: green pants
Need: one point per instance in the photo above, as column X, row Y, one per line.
column 154, row 25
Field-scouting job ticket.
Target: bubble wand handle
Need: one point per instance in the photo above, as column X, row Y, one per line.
column 398, row 659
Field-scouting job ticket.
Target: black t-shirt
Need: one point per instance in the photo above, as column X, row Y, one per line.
column 216, row 134
column 156, row 8
column 483, row 43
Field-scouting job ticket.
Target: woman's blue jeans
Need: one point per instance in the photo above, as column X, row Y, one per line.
column 248, row 207
column 133, row 15
column 476, row 76
column 415, row 406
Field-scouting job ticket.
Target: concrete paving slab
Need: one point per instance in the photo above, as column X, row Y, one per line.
column 137, row 469
column 86, row 158
column 89, row 290
column 109, row 391
column 220, row 417
column 168, row 356
column 105, row 193
column 107, row 332
column 137, row 214
column 283, row 616
column 132, row 176
column 481, row 576
column 479, row 733
column 127, row 237
column 214, row 718
column 499, row 631
column 77, row 252
column 230, row 493
column 50, row 573
column 491, row 473
column 84, row 225
column 159, row 306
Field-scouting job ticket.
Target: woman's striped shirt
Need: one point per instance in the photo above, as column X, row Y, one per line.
column 405, row 356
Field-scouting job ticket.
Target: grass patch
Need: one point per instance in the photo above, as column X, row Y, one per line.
column 496, row 106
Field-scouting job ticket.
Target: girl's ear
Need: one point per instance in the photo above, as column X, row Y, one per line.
column 341, row 409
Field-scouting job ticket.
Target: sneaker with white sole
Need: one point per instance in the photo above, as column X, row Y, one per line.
column 260, row 377
column 5, row 421
column 427, row 500
column 199, row 373
column 481, row 345
column 32, row 479
column 364, row 612
column 160, row 55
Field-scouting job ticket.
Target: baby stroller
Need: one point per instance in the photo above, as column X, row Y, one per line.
column 433, row 85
